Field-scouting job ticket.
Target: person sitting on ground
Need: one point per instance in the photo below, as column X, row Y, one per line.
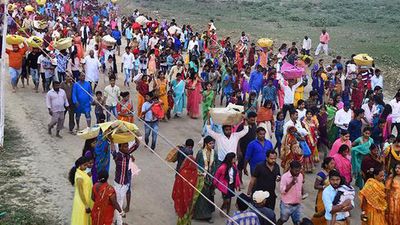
column 243, row 216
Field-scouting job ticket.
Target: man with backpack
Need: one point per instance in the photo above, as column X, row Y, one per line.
column 151, row 113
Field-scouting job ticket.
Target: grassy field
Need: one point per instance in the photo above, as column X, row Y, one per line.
column 359, row 26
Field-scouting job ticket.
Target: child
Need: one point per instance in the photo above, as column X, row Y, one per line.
column 280, row 121
column 227, row 176
column 125, row 108
column 170, row 94
column 265, row 118
column 110, row 67
column 344, row 192
column 143, row 64
column 99, row 106
column 301, row 109
column 377, row 133
column 269, row 92
column 389, row 141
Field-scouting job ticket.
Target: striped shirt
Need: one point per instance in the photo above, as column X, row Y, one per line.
column 243, row 218
column 122, row 172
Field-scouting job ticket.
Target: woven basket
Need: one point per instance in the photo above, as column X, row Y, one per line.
column 14, row 39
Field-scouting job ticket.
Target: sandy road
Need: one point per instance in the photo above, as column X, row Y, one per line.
column 151, row 200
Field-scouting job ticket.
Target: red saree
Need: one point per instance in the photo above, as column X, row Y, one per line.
column 103, row 210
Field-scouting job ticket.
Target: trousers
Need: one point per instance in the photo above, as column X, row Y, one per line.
column 120, row 192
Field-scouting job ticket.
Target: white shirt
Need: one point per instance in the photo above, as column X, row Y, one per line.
column 342, row 117
column 302, row 113
column 376, row 81
column 395, row 110
column 307, row 44
column 91, row 68
column 192, row 44
column 128, row 60
column 226, row 145
column 83, row 31
column 111, row 95
column 289, row 92
column 56, row 101
column 153, row 41
column 290, row 123
column 369, row 113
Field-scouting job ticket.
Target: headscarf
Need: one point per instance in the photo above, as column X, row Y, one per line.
column 183, row 192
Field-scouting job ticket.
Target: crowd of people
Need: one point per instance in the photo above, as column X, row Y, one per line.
column 342, row 123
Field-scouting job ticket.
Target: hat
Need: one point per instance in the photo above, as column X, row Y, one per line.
column 260, row 196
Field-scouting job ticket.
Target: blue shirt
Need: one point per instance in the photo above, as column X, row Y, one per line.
column 204, row 76
column 256, row 152
column 244, row 218
column 228, row 88
column 328, row 195
column 354, row 129
column 269, row 93
column 116, row 34
column 256, row 81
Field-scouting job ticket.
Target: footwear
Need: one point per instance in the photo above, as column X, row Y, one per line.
column 210, row 220
column 59, row 136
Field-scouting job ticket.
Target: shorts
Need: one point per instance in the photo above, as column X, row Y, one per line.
column 293, row 211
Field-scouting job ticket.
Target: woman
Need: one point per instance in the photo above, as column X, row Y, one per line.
column 193, row 87
column 265, row 118
column 178, row 86
column 311, row 125
column 392, row 155
column 125, row 108
column 343, row 163
column 322, row 181
column 357, row 93
column 371, row 161
column 373, row 199
column 227, row 180
column 344, row 139
column 151, row 63
column 207, row 165
column 387, row 117
column 208, row 101
column 332, row 129
column 359, row 150
column 162, row 84
column 80, row 178
column 105, row 201
column 322, row 118
column 88, row 151
column 183, row 193
column 291, row 150
column 142, row 87
column 251, row 104
column 393, row 196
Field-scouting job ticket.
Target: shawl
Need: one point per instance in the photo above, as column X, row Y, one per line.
column 336, row 145
column 343, row 166
column 374, row 193
column 183, row 191
column 357, row 155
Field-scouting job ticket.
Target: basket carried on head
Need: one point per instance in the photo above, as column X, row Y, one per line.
column 363, row 60
column 108, row 40
column 120, row 131
column 63, row 43
column 35, row 42
column 40, row 24
column 231, row 115
column 265, row 42
column 290, row 71
column 14, row 39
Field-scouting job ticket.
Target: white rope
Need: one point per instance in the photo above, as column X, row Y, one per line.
column 172, row 145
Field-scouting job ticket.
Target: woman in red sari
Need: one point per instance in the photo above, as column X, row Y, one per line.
column 105, row 201
column 358, row 92
column 311, row 125
column 193, row 87
column 125, row 108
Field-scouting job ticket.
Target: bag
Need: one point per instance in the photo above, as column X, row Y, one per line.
column 172, row 155
column 157, row 111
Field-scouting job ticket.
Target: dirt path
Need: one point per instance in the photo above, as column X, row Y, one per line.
column 52, row 158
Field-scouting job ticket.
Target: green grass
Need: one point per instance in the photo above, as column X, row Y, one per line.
column 16, row 206
column 360, row 26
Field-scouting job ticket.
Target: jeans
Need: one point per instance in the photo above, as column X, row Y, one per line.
column 61, row 76
column 48, row 82
column 113, row 110
column 127, row 73
column 293, row 211
column 35, row 76
column 151, row 128
column 14, row 73
column 43, row 81
column 71, row 117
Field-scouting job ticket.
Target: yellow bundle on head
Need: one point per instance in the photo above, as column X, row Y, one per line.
column 29, row 8
column 35, row 42
column 14, row 39
column 63, row 43
column 120, row 131
column 265, row 42
column 363, row 60
column 41, row 2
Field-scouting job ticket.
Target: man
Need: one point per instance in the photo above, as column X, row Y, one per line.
column 121, row 155
column 343, row 117
column 62, row 64
column 370, row 111
column 264, row 178
column 293, row 122
column 355, row 125
column 328, row 195
column 256, row 150
column 260, row 198
column 153, row 41
column 377, row 79
column 150, row 121
column 323, row 42
column 245, row 140
column 91, row 66
column 15, row 57
column 82, row 99
column 256, row 80
column 243, row 216
column 289, row 89
column 395, row 103
column 85, row 33
column 111, row 94
column 56, row 101
column 67, row 87
column 192, row 43
column 128, row 59
column 32, row 63
column 228, row 141
column 178, row 68
column 307, row 45
column 291, row 188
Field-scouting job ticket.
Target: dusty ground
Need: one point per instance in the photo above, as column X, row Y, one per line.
column 51, row 158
